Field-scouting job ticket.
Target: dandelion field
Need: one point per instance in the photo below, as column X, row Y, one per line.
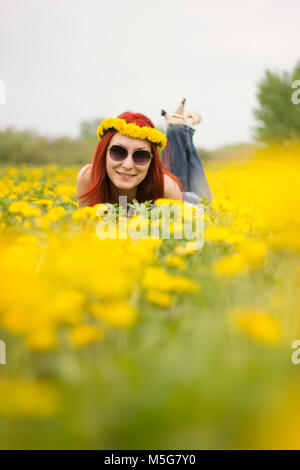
column 142, row 344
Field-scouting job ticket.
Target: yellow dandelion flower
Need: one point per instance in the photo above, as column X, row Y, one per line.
column 191, row 247
column 182, row 284
column 45, row 202
column 175, row 261
column 42, row 340
column 230, row 265
column 162, row 201
column 117, row 313
column 253, row 250
column 84, row 213
column 23, row 208
column 180, row 250
column 32, row 211
column 66, row 307
column 157, row 278
column 250, row 255
column 217, row 234
column 235, row 238
column 159, row 298
column 34, row 399
column 258, row 324
column 56, row 213
column 289, row 239
column 82, row 335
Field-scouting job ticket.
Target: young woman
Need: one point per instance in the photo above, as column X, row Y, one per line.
column 127, row 162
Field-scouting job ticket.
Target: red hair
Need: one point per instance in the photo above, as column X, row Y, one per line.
column 152, row 186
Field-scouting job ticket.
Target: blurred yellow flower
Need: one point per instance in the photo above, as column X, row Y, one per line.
column 84, row 213
column 217, row 234
column 159, row 298
column 230, row 265
column 117, row 313
column 45, row 202
column 82, row 335
column 253, row 250
column 34, row 399
column 288, row 239
column 23, row 208
column 175, row 261
column 66, row 306
column 56, row 213
column 162, row 201
column 258, row 324
column 250, row 255
column 180, row 250
column 157, row 278
column 42, row 340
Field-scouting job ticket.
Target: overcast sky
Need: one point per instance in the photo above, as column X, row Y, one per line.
column 64, row 61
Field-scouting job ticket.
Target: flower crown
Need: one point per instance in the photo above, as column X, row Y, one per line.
column 132, row 130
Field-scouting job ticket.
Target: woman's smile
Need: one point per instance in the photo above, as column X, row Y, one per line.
column 125, row 175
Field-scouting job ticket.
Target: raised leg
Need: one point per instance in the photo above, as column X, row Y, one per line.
column 176, row 154
column 184, row 161
column 197, row 181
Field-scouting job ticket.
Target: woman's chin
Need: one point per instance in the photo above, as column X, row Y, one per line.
column 124, row 184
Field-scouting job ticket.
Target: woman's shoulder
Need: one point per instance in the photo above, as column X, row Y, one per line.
column 85, row 171
column 172, row 188
column 83, row 181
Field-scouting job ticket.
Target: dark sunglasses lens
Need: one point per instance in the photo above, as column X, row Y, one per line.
column 141, row 157
column 118, row 153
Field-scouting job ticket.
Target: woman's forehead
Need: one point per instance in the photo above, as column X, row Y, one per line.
column 129, row 142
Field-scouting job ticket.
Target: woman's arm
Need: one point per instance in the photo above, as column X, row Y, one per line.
column 172, row 189
column 83, row 183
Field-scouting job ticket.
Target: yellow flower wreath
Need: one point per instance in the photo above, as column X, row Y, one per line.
column 132, row 130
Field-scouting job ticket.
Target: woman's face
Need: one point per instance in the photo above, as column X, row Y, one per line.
column 126, row 174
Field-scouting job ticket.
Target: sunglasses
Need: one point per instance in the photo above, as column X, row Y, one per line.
column 119, row 153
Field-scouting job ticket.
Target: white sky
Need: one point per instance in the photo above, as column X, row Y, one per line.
column 64, row 61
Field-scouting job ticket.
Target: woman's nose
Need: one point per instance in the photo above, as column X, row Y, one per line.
column 128, row 162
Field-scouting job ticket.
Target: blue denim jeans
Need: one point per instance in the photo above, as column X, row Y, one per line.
column 185, row 162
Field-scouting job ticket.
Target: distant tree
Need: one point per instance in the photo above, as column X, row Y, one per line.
column 88, row 129
column 277, row 115
column 203, row 153
column 29, row 147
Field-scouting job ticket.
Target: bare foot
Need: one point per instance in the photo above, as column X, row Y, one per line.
column 174, row 118
column 165, row 115
column 180, row 109
column 182, row 116
column 177, row 119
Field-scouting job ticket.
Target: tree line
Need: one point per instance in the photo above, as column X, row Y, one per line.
column 277, row 118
